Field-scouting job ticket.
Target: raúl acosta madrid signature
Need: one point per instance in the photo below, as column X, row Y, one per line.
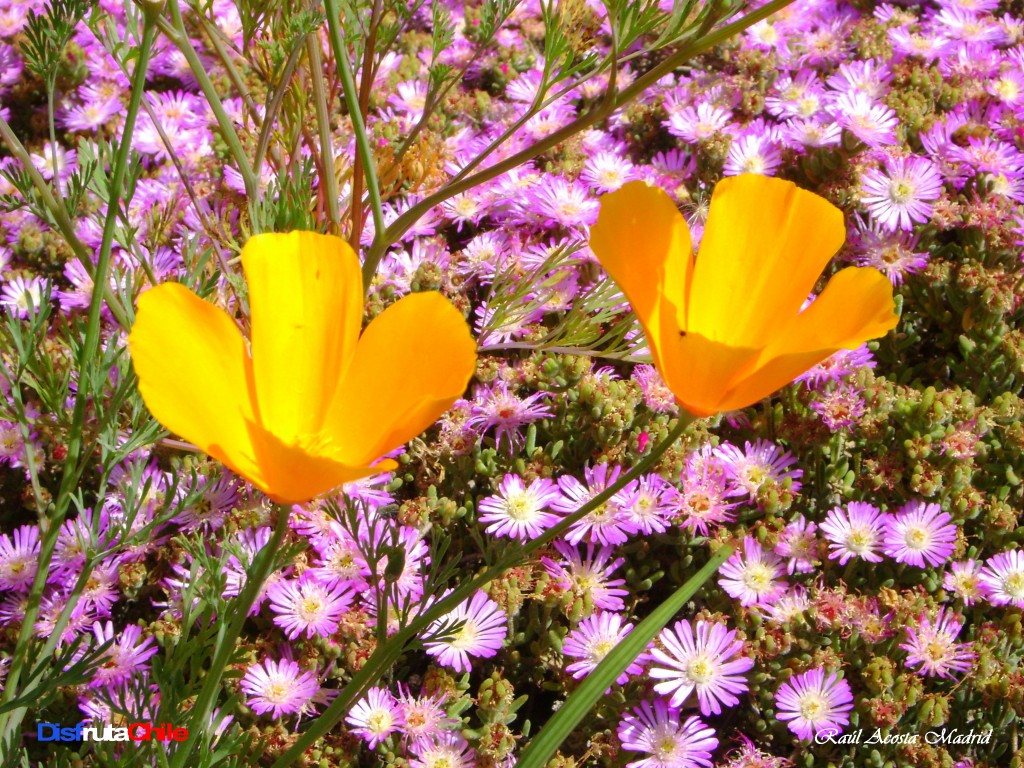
column 867, row 736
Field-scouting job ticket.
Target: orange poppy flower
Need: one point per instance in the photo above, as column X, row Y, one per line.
column 308, row 403
column 727, row 329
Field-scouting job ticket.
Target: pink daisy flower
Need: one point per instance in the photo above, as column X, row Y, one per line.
column 125, row 658
column 902, row 194
column 920, row 534
column 474, row 629
column 854, row 532
column 964, row 580
column 799, row 544
column 813, row 704
column 517, row 511
column 758, row 465
column 933, row 646
column 497, row 407
column 607, row 524
column 753, row 576
column 307, row 605
column 19, row 555
column 375, row 717
column 655, row 729
column 1003, row 576
column 446, row 750
column 700, row 661
column 595, row 638
column 279, row 688
column 589, row 575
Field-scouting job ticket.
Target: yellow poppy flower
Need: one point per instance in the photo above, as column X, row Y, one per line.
column 726, row 329
column 309, row 403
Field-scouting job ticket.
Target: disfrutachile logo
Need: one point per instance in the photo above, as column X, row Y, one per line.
column 107, row 732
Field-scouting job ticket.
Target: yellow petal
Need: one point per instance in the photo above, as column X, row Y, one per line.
column 411, row 363
column 765, row 245
column 306, row 304
column 195, row 375
column 856, row 305
column 298, row 473
column 643, row 243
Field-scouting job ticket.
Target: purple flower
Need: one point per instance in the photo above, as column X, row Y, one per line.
column 893, row 253
column 125, row 658
column 517, row 510
column 446, row 750
column 873, row 123
column 280, row 688
column 965, row 580
column 753, row 576
column 308, row 606
column 24, row 296
column 799, row 544
column 760, row 464
column 497, row 407
column 903, row 193
column 933, row 646
column 1003, row 576
column 608, row 523
column 588, row 575
column 814, row 704
column 19, row 556
column 593, row 639
column 476, row 628
column 920, row 534
column 840, row 407
column 854, row 532
column 700, row 661
column 656, row 730
column 843, row 363
column 375, row 717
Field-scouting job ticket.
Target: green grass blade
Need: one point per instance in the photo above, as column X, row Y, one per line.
column 583, row 699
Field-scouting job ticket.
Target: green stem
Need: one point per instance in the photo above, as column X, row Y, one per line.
column 363, row 150
column 384, row 656
column 227, row 637
column 384, row 239
column 178, row 35
column 329, row 176
column 76, row 458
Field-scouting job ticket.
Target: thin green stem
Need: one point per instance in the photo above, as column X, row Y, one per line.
column 227, row 637
column 178, row 35
column 363, row 150
column 329, row 175
column 385, row 655
column 76, row 455
column 401, row 225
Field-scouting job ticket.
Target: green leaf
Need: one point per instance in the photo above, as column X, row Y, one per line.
column 583, row 699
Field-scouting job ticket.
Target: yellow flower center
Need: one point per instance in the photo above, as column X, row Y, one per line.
column 1013, row 585
column 701, row 670
column 813, row 707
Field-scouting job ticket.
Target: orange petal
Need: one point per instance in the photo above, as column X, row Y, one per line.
column 642, row 241
column 699, row 371
column 298, row 473
column 306, row 302
column 856, row 305
column 412, row 362
column 195, row 375
column 765, row 245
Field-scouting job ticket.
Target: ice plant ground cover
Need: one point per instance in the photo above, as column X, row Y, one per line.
column 457, row 610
